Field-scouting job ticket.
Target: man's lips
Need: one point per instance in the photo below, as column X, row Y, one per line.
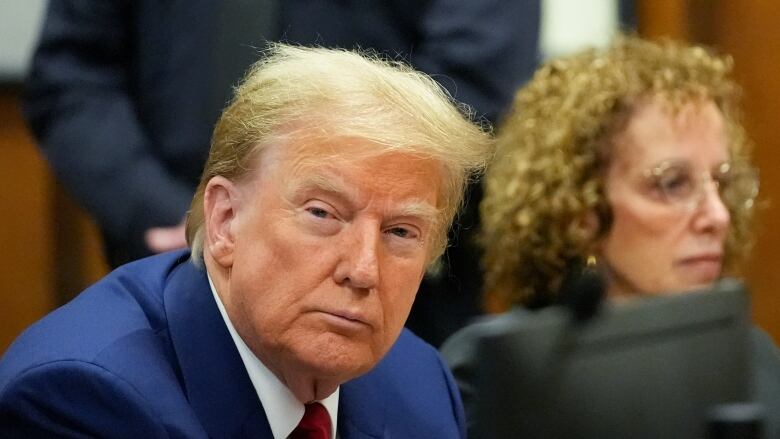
column 346, row 318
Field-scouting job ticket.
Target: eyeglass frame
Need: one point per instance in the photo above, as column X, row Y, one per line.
column 693, row 200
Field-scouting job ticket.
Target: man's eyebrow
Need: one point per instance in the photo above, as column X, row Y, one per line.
column 331, row 184
column 420, row 209
column 317, row 182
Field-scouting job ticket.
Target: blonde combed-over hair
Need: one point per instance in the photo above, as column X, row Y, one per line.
column 554, row 146
column 295, row 95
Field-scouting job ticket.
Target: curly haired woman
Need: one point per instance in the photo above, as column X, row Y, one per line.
column 633, row 156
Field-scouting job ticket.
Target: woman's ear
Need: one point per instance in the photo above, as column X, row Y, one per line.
column 591, row 225
column 221, row 203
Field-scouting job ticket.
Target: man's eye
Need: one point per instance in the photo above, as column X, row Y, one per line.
column 401, row 232
column 316, row 211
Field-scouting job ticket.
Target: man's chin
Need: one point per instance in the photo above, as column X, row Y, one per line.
column 340, row 364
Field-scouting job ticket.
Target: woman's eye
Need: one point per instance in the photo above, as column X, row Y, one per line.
column 676, row 185
column 723, row 181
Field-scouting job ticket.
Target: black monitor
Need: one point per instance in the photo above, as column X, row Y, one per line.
column 650, row 368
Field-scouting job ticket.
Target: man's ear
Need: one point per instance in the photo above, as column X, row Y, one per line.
column 221, row 202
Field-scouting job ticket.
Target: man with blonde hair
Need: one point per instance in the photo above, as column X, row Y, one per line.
column 328, row 191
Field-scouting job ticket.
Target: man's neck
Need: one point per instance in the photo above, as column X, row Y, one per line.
column 283, row 408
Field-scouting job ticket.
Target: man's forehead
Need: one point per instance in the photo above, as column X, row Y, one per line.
column 338, row 150
column 335, row 165
column 356, row 182
column 298, row 154
column 404, row 190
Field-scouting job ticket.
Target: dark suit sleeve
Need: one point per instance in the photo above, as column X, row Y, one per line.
column 487, row 47
column 460, row 354
column 766, row 379
column 457, row 403
column 74, row 399
column 80, row 104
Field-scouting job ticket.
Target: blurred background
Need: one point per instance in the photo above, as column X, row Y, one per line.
column 50, row 249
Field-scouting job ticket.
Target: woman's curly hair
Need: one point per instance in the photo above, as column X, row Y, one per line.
column 554, row 145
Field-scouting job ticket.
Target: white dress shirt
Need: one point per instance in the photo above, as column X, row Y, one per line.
column 282, row 408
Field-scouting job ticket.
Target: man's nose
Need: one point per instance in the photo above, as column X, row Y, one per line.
column 359, row 267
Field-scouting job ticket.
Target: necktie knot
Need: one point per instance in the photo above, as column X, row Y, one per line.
column 315, row 423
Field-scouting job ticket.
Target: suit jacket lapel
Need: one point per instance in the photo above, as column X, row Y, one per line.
column 217, row 384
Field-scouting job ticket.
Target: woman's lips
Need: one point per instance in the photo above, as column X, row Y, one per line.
column 704, row 267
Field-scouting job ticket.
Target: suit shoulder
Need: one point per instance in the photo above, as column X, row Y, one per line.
column 123, row 309
column 411, row 355
column 76, row 398
column 409, row 341
column 413, row 382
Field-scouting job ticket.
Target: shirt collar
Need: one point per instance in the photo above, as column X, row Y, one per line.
column 281, row 407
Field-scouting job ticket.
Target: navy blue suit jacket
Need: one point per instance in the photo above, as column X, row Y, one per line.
column 145, row 353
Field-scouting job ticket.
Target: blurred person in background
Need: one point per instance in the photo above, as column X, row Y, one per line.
column 122, row 96
column 328, row 191
column 632, row 159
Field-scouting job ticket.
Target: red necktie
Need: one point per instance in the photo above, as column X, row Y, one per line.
column 314, row 425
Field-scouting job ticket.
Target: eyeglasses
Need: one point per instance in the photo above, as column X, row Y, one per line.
column 678, row 185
